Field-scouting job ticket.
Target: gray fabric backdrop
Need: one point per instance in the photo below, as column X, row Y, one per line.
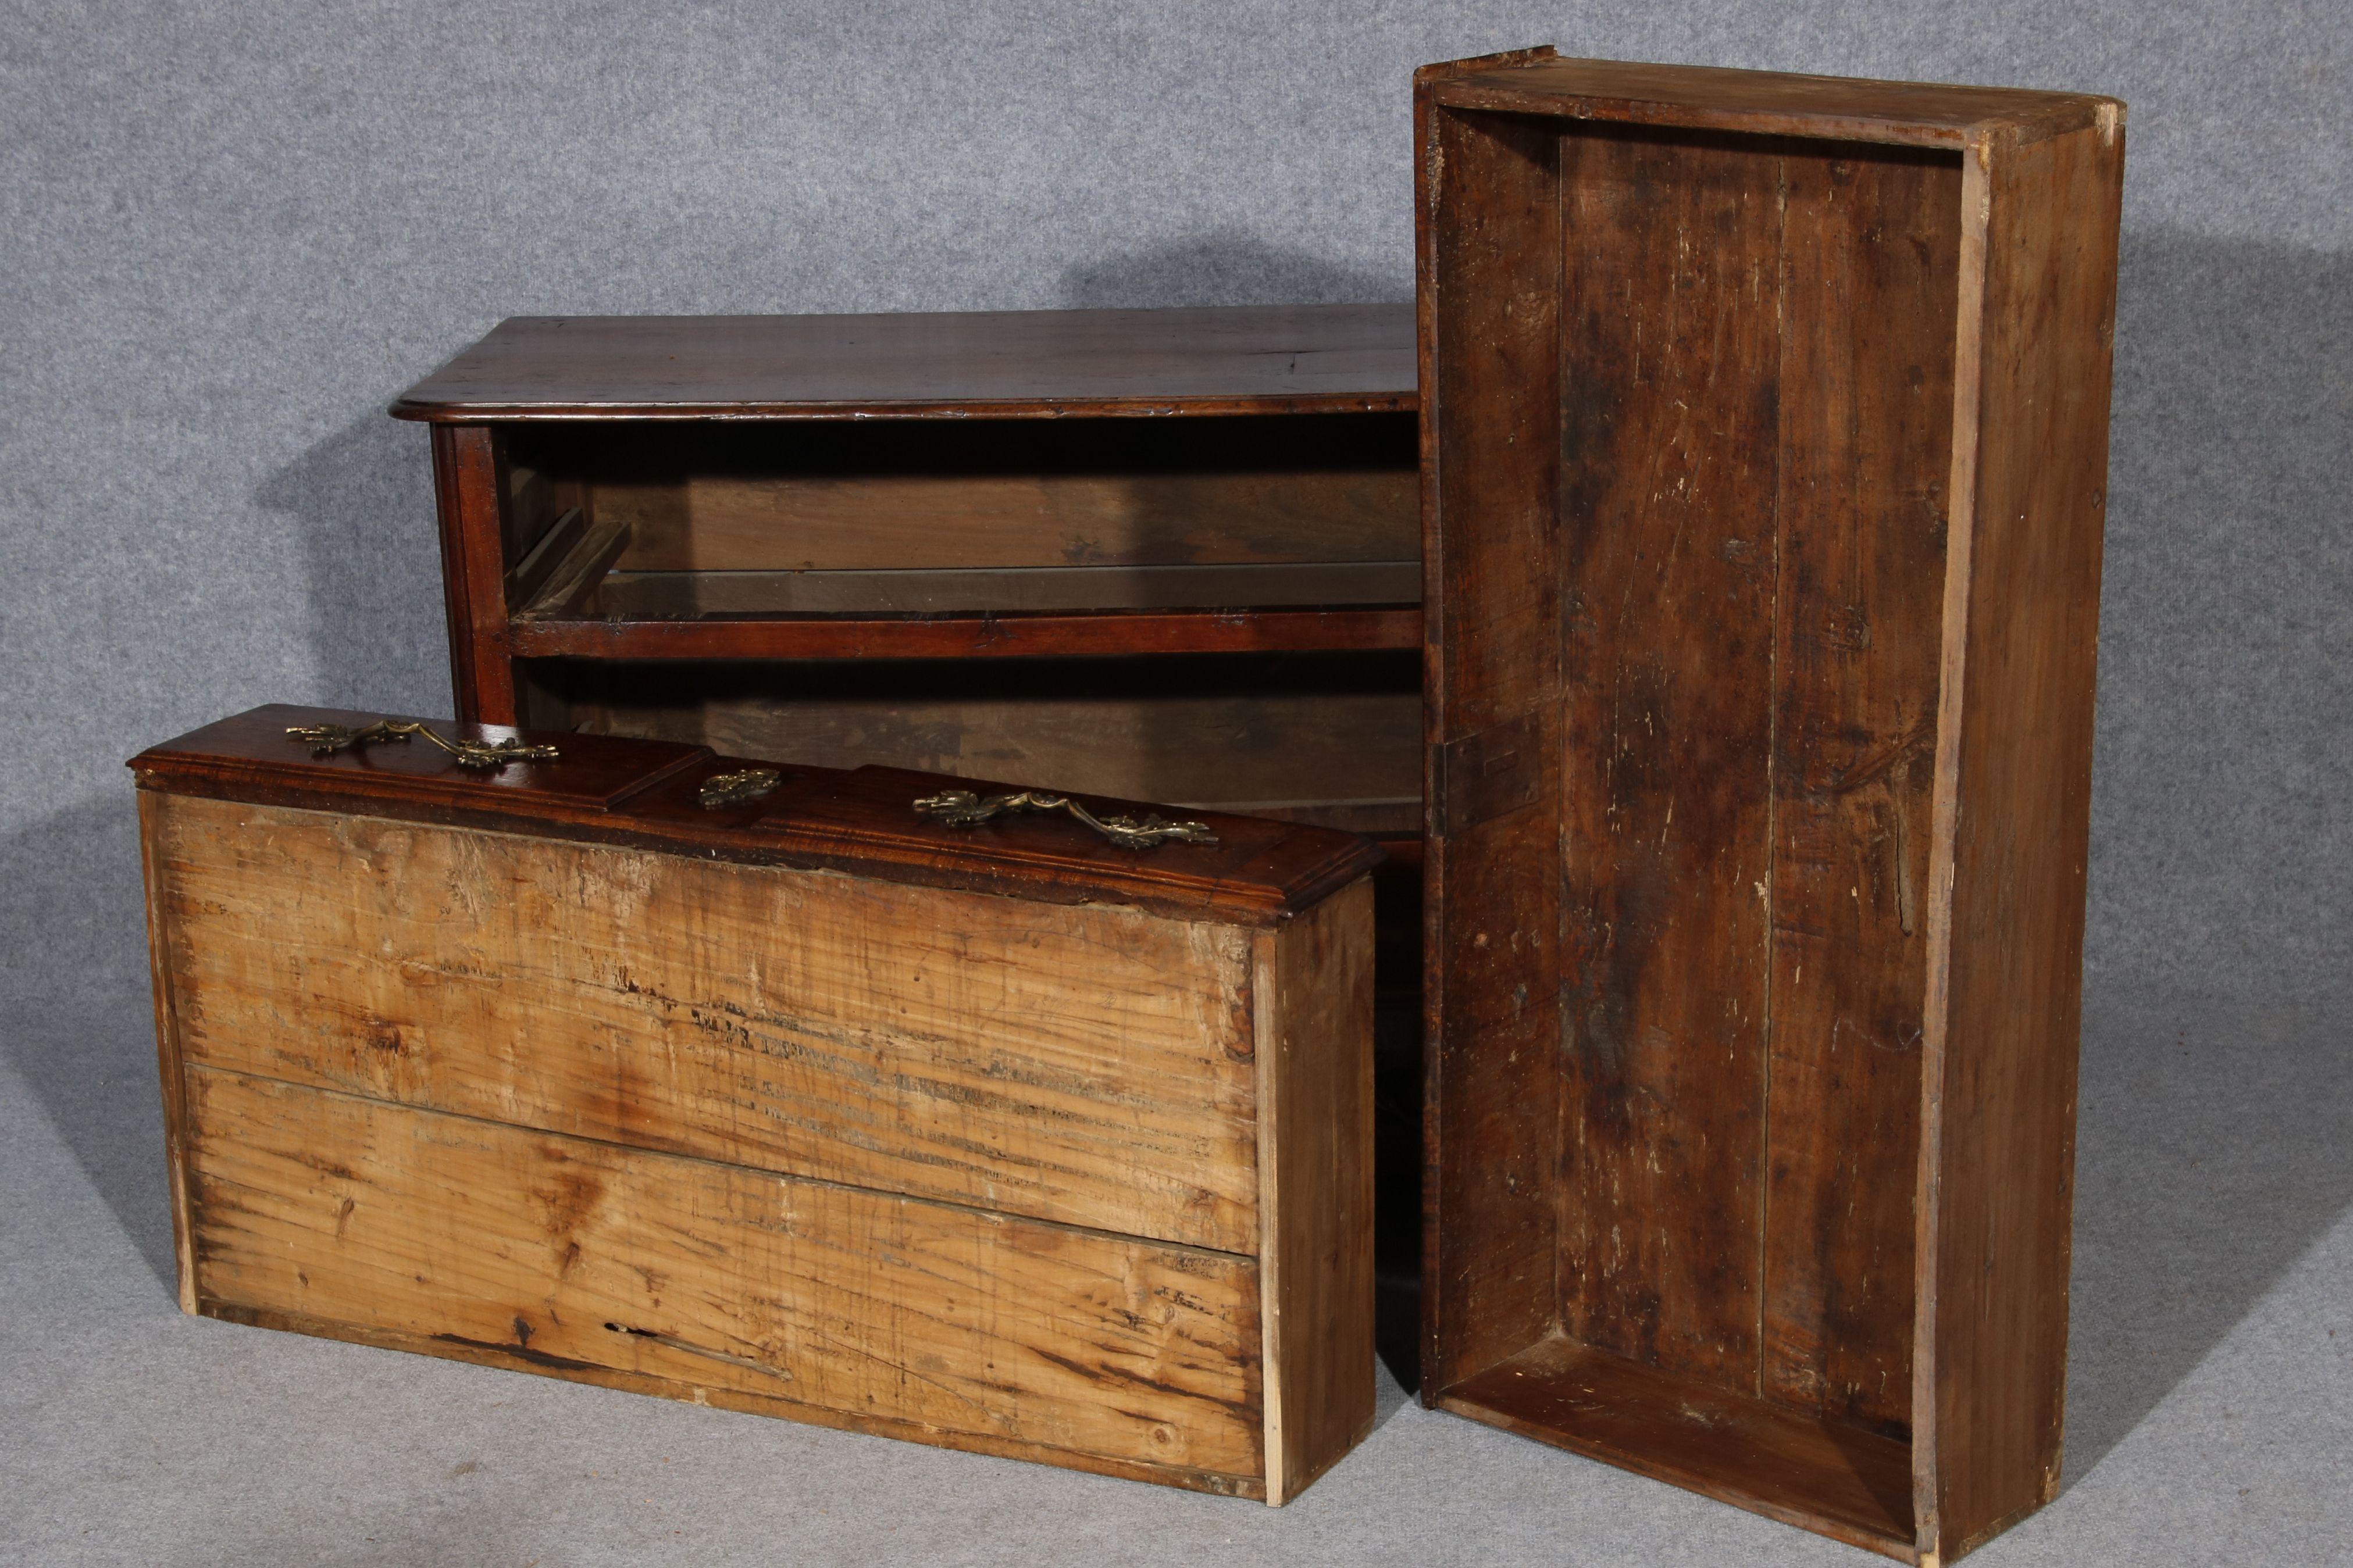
column 232, row 231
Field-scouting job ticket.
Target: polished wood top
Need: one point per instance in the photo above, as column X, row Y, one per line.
column 1276, row 359
column 614, row 789
column 1774, row 103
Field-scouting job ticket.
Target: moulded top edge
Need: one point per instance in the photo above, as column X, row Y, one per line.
column 985, row 364
column 614, row 788
column 1075, row 407
column 1700, row 98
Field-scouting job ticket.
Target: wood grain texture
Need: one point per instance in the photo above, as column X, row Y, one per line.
column 1843, row 1481
column 1327, row 739
column 154, row 815
column 1764, row 103
column 600, row 1082
column 577, row 1254
column 466, row 473
column 1831, row 445
column 1490, row 334
column 1089, row 1065
column 1870, row 259
column 511, row 1358
column 760, row 495
column 986, row 590
column 2014, row 757
column 1314, row 1017
column 1281, row 358
column 1669, row 404
column 722, row 522
column 1009, row 635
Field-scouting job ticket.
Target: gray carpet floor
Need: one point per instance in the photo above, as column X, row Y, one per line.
column 2211, row 1403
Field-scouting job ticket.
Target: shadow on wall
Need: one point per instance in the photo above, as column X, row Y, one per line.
column 81, row 1019
column 360, row 504
column 2215, row 1146
column 2223, row 798
column 1228, row 266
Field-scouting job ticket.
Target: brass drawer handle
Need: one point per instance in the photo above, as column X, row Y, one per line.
column 735, row 788
column 325, row 740
column 962, row 809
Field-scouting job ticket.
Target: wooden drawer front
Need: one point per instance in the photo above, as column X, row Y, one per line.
column 578, row 1257
column 1079, row 1064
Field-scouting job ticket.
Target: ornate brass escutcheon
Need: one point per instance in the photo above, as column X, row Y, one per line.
column 734, row 789
column 325, row 740
column 962, row 809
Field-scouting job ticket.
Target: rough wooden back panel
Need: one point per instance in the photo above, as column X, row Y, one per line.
column 1668, row 419
column 1755, row 395
column 995, row 493
column 1490, row 304
column 2014, row 816
column 575, row 1255
column 1082, row 1063
column 1870, row 252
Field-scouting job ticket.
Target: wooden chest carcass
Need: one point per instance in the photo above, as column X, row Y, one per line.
column 1001, row 1136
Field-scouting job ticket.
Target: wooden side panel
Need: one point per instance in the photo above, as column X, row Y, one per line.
column 466, row 475
column 1868, row 280
column 1670, row 395
column 1314, row 1019
column 2021, row 654
column 1082, row 1063
column 153, row 832
column 1491, row 324
column 576, row 1253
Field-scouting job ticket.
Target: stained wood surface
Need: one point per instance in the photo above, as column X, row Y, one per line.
column 2014, row 816
column 152, row 813
column 1870, row 251
column 473, row 571
column 1826, row 547
column 632, row 596
column 1286, row 358
column 1309, row 739
column 864, row 522
column 1260, row 872
column 1091, row 1066
column 575, row 1254
column 1491, row 345
column 1764, row 103
column 1672, row 261
column 989, row 635
column 1313, row 1019
column 1841, row 1480
column 999, row 493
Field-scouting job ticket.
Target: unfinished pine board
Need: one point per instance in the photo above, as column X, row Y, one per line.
column 1004, row 1138
column 1767, row 432
column 925, row 1042
column 351, row 1211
